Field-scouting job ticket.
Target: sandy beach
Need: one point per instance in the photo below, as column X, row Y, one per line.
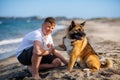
column 103, row 35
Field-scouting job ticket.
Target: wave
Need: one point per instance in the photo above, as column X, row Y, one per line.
column 9, row 45
column 8, row 50
column 59, row 27
column 10, row 41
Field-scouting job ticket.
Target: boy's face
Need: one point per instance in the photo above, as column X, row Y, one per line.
column 49, row 27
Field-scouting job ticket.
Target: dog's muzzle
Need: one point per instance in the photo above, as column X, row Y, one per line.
column 77, row 35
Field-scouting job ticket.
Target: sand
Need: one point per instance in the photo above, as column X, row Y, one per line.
column 103, row 35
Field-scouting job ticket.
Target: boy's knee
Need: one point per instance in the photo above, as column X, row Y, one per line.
column 37, row 53
column 56, row 62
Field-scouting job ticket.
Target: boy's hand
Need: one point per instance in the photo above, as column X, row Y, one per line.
column 51, row 48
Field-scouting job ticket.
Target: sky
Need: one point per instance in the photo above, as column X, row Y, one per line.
column 54, row 8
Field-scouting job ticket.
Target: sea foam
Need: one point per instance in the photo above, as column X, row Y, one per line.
column 9, row 41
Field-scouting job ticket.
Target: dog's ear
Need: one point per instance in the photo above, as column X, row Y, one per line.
column 83, row 23
column 71, row 25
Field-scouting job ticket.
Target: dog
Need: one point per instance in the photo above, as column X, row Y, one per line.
column 78, row 47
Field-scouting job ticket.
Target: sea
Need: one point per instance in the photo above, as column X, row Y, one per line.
column 13, row 30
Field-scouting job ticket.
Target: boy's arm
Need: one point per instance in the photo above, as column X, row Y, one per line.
column 57, row 54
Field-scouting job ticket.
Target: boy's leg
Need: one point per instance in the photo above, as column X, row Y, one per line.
column 35, row 65
column 55, row 63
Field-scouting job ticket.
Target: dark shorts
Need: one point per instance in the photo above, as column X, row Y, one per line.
column 25, row 57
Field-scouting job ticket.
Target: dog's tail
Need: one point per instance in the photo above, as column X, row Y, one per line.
column 107, row 63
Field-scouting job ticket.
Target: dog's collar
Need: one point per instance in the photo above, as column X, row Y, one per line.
column 71, row 40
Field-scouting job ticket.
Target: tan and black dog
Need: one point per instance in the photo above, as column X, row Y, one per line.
column 77, row 46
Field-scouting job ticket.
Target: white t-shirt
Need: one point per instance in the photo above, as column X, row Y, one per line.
column 29, row 39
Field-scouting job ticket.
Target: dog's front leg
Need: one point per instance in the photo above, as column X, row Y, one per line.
column 73, row 58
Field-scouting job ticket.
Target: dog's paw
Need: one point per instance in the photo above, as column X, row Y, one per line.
column 67, row 72
column 87, row 72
